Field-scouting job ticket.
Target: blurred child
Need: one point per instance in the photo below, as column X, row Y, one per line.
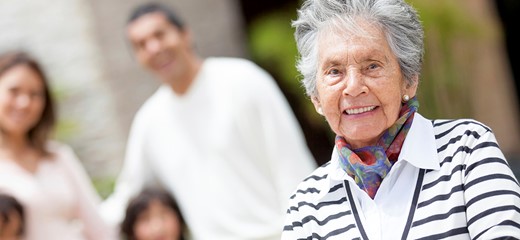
column 12, row 219
column 153, row 214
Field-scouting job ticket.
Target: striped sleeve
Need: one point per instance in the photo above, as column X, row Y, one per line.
column 293, row 227
column 312, row 215
column 293, row 223
column 491, row 191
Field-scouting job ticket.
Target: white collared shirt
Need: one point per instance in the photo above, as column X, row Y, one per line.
column 418, row 152
column 448, row 182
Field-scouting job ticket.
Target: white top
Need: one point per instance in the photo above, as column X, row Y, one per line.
column 395, row 194
column 59, row 199
column 450, row 181
column 230, row 151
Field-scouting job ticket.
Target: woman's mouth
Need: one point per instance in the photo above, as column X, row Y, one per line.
column 354, row 111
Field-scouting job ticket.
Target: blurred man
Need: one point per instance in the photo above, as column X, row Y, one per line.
column 218, row 135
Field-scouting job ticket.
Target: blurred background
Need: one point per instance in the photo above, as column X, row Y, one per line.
column 470, row 69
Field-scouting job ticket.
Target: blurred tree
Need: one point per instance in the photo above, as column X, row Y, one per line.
column 272, row 46
column 443, row 85
column 465, row 72
column 507, row 11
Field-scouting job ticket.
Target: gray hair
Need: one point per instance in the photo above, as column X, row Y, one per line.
column 398, row 20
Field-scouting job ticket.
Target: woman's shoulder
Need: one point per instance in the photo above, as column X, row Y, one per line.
column 461, row 125
column 64, row 156
column 314, row 183
column 60, row 151
column 454, row 133
column 55, row 146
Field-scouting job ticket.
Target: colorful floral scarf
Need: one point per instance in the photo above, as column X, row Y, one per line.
column 369, row 165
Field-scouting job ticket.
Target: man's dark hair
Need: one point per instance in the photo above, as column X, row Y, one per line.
column 147, row 8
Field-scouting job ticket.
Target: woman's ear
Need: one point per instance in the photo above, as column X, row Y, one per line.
column 411, row 89
column 317, row 105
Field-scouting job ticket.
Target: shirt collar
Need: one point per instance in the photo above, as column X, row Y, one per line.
column 419, row 149
column 335, row 174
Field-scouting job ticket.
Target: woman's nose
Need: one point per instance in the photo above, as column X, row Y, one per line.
column 23, row 100
column 354, row 84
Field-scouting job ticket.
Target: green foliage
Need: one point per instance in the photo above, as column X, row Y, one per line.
column 443, row 89
column 104, row 186
column 272, row 45
column 271, row 39
column 65, row 127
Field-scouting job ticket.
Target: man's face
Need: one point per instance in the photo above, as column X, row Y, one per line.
column 160, row 46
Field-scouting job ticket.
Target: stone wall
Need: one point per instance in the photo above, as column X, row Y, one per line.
column 61, row 37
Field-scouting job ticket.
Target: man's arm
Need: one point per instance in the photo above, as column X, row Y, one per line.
column 134, row 175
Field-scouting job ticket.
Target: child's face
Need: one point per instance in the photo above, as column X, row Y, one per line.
column 9, row 230
column 157, row 222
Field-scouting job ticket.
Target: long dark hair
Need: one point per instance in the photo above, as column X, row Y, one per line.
column 7, row 204
column 40, row 133
column 140, row 203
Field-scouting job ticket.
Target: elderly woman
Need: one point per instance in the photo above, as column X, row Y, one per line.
column 393, row 174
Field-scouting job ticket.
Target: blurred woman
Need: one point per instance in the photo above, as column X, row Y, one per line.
column 153, row 214
column 45, row 175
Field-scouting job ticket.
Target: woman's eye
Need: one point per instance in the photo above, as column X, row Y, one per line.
column 13, row 91
column 372, row 66
column 35, row 95
column 334, row 72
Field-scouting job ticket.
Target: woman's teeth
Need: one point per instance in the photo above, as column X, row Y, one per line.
column 359, row 110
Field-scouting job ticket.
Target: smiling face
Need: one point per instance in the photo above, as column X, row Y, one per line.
column 22, row 100
column 157, row 222
column 359, row 84
column 161, row 47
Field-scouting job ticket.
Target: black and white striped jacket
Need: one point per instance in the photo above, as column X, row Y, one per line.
column 451, row 181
